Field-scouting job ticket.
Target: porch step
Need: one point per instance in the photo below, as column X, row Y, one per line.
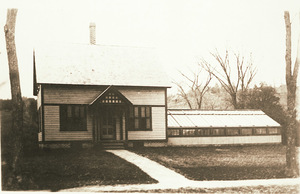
column 112, row 145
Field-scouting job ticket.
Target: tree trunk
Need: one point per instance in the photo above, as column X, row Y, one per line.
column 291, row 154
column 17, row 106
column 292, row 159
column 234, row 100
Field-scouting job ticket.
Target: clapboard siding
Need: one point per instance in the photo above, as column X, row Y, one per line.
column 53, row 94
column 158, row 127
column 179, row 141
column 70, row 95
column 145, row 96
column 85, row 95
column 52, row 127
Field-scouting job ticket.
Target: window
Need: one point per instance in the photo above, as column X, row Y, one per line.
column 218, row 131
column 260, row 131
column 233, row 131
column 203, row 132
column 246, row 131
column 188, row 132
column 273, row 130
column 73, row 118
column 173, row 132
column 140, row 118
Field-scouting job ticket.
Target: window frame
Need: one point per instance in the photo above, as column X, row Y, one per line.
column 189, row 133
column 137, row 116
column 203, row 132
column 173, row 132
column 218, row 132
column 260, row 131
column 233, row 131
column 269, row 130
column 75, row 122
column 214, row 132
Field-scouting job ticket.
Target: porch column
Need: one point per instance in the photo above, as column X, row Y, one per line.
column 123, row 126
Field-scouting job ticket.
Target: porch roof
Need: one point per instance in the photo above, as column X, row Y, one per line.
column 106, row 91
column 218, row 118
column 84, row 64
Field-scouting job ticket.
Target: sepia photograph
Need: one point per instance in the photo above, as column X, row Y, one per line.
column 150, row 96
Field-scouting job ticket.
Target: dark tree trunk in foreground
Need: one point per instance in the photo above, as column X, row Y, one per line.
column 292, row 160
column 17, row 107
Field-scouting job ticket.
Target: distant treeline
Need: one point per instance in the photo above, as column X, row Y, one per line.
column 266, row 98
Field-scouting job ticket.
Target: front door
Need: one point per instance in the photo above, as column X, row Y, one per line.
column 108, row 129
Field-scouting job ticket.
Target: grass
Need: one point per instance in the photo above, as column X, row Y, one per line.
column 221, row 163
column 61, row 169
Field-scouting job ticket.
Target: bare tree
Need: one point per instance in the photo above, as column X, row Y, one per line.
column 245, row 72
column 193, row 96
column 292, row 159
column 17, row 106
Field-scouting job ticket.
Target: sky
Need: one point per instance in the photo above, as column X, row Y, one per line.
column 182, row 31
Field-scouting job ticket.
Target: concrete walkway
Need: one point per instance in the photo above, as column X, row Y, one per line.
column 168, row 179
column 153, row 169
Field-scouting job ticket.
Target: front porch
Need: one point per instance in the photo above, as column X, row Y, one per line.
column 110, row 112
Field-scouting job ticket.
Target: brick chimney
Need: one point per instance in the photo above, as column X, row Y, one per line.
column 92, row 33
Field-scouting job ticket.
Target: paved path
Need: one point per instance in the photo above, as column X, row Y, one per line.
column 153, row 169
column 168, row 179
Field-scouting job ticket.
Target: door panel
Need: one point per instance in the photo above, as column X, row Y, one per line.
column 108, row 125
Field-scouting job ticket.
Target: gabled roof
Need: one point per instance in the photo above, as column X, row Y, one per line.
column 111, row 96
column 216, row 118
column 83, row 64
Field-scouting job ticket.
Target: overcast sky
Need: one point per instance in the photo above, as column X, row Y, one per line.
column 183, row 31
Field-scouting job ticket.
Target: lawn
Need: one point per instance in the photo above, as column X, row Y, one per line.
column 61, row 169
column 221, row 163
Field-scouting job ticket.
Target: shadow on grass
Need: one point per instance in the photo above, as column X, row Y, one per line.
column 222, row 162
column 233, row 173
column 61, row 169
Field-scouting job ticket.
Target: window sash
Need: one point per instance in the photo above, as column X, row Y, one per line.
column 204, row 132
column 73, row 118
column 189, row 132
column 233, row 131
column 210, row 132
column 260, row 131
column 273, row 130
column 173, row 132
column 140, row 118
column 218, row 132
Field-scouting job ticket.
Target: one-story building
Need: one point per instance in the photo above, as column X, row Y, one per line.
column 221, row 127
column 114, row 96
